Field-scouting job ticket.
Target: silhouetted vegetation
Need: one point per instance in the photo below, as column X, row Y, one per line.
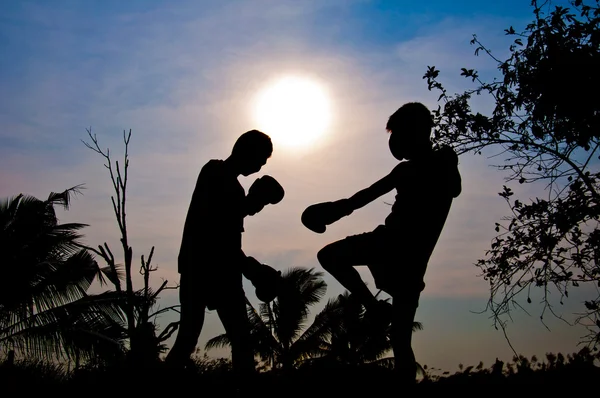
column 145, row 344
column 212, row 375
column 339, row 333
column 46, row 311
column 55, row 336
column 546, row 123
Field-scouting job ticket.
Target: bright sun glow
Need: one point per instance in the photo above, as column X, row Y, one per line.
column 294, row 111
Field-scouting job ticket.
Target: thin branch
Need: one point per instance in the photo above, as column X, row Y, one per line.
column 168, row 331
column 166, row 309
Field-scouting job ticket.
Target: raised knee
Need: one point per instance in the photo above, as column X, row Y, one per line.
column 325, row 258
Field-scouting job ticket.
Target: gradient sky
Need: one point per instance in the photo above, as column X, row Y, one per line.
column 184, row 75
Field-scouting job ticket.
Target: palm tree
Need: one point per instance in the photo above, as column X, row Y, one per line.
column 340, row 333
column 278, row 329
column 45, row 310
column 354, row 340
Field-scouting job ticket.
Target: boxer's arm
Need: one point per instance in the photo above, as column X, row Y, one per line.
column 379, row 188
column 251, row 207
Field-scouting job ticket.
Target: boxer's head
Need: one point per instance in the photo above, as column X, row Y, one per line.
column 251, row 151
column 410, row 130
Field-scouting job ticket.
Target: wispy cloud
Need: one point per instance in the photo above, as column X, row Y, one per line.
column 185, row 84
column 183, row 77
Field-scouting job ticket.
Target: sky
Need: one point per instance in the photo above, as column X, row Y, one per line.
column 186, row 78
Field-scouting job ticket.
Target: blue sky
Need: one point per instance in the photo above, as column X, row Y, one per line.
column 183, row 75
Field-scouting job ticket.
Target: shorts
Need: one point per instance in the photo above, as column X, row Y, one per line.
column 395, row 269
column 201, row 289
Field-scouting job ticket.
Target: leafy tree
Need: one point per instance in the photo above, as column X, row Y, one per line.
column 45, row 310
column 545, row 123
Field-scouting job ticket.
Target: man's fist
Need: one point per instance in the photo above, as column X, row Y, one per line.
column 318, row 216
column 264, row 191
column 265, row 279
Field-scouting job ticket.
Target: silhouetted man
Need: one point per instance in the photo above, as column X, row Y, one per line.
column 211, row 260
column 397, row 252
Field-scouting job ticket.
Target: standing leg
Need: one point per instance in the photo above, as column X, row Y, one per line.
column 190, row 323
column 405, row 365
column 234, row 316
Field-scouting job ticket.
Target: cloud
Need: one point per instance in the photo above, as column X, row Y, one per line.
column 185, row 89
column 182, row 76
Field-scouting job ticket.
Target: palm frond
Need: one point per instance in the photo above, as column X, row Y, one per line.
column 417, row 326
column 302, row 288
column 113, row 275
column 64, row 198
column 324, row 322
column 105, row 307
column 289, row 317
column 353, row 339
column 308, row 282
column 264, row 342
column 8, row 208
column 52, row 283
column 385, row 363
column 65, row 281
column 314, row 342
column 87, row 326
column 51, row 342
column 220, row 341
column 266, row 314
column 45, row 309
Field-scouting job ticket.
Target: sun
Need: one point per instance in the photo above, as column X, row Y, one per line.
column 293, row 111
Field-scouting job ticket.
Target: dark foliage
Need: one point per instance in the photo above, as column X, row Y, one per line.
column 213, row 376
column 545, row 122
